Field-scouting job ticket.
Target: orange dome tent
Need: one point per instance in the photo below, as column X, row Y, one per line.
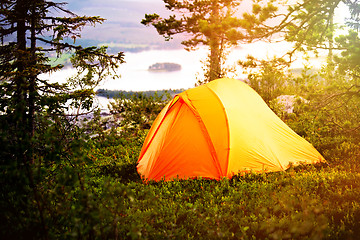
column 218, row 130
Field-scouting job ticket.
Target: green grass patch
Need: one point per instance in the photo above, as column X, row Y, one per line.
column 305, row 202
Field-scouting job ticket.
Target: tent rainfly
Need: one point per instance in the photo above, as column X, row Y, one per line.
column 218, row 130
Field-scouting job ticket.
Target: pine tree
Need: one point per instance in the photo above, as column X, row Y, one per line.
column 214, row 23
column 309, row 25
column 31, row 107
column 354, row 20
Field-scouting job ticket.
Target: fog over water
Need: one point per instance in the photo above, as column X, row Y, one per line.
column 134, row 73
column 136, row 77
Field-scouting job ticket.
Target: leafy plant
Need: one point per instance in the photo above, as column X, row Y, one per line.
column 138, row 111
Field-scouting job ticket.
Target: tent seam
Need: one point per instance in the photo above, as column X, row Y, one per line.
column 157, row 129
column 172, row 124
column 227, row 125
column 203, row 128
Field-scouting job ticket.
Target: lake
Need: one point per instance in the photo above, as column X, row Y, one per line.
column 136, row 77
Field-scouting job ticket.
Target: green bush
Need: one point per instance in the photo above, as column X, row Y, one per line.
column 87, row 187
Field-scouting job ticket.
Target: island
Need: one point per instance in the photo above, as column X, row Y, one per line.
column 166, row 66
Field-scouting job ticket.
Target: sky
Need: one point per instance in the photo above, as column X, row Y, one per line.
column 124, row 17
column 123, row 25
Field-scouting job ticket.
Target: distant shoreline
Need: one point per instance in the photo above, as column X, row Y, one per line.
column 128, row 94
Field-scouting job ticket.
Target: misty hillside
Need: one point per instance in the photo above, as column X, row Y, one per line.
column 122, row 30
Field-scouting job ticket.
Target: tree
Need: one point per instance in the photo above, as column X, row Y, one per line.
column 22, row 60
column 32, row 110
column 310, row 24
column 333, row 113
column 349, row 60
column 214, row 23
column 266, row 77
column 354, row 20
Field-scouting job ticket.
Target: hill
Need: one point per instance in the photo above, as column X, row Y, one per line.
column 122, row 30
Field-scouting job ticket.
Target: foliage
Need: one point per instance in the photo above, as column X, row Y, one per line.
column 267, row 78
column 331, row 120
column 325, row 106
column 41, row 158
column 349, row 59
column 310, row 24
column 128, row 94
column 59, row 180
column 96, row 193
column 140, row 111
column 165, row 66
column 354, row 20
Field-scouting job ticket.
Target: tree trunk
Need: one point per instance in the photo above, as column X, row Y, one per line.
column 330, row 56
column 20, row 81
column 215, row 48
column 21, row 48
column 215, row 61
column 33, row 74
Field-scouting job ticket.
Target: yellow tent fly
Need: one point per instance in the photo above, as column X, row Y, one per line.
column 218, row 130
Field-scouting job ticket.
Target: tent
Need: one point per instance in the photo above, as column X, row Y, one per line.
column 218, row 130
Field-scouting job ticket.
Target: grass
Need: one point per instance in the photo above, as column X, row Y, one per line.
column 297, row 204
column 304, row 202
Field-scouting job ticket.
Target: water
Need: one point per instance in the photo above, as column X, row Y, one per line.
column 136, row 77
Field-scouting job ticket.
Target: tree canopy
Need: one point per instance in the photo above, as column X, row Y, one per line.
column 35, row 129
column 30, row 32
column 216, row 24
